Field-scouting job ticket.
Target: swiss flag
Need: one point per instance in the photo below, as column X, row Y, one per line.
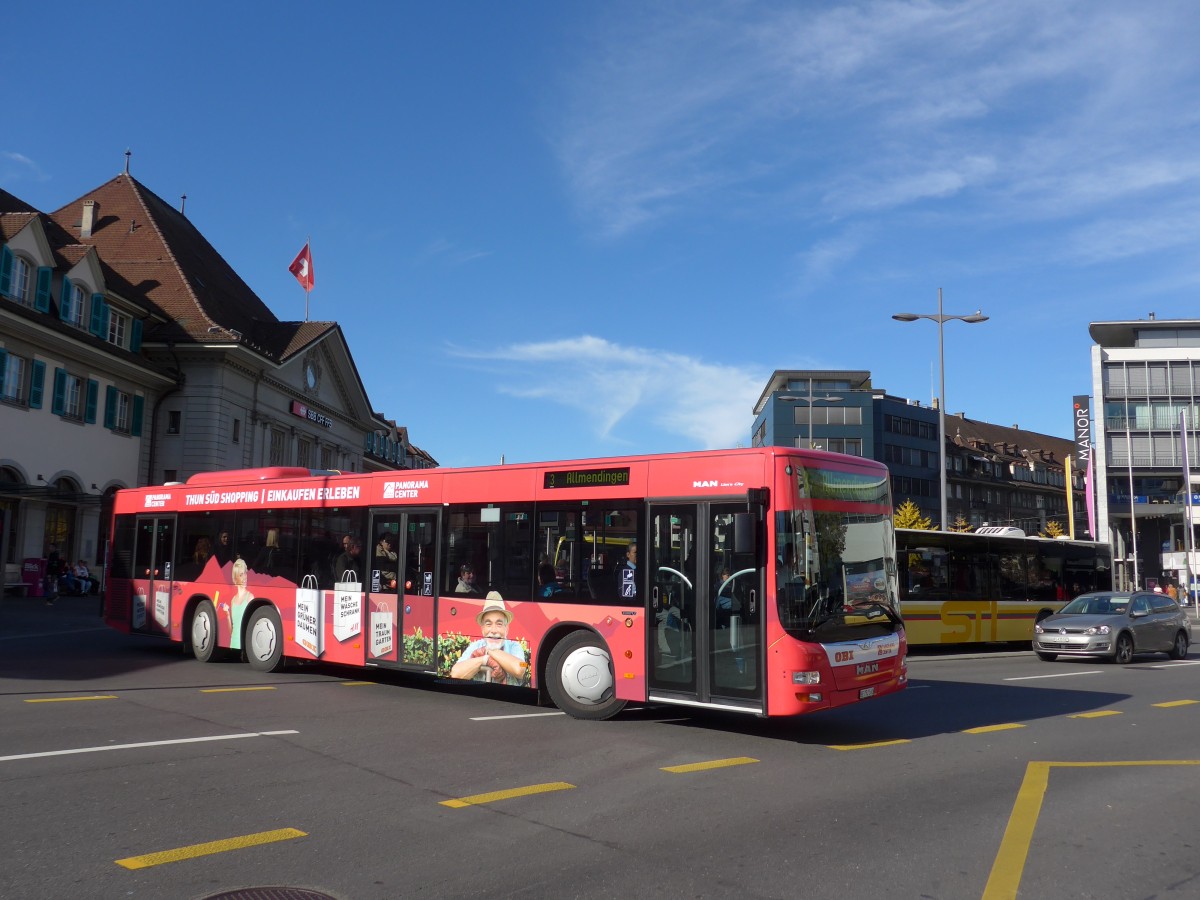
column 302, row 268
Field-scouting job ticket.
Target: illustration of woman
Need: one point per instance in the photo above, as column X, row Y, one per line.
column 232, row 611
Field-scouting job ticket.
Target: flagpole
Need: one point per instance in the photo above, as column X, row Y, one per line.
column 308, row 244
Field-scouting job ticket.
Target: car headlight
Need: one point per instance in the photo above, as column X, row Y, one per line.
column 1038, row 629
column 1097, row 629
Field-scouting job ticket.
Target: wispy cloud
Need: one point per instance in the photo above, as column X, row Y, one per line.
column 16, row 167
column 621, row 388
column 1041, row 112
column 448, row 253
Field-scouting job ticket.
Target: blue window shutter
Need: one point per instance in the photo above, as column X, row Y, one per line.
column 64, row 302
column 41, row 300
column 5, row 270
column 97, row 324
column 3, row 369
column 110, row 407
column 93, row 395
column 135, row 427
column 59, row 402
column 37, row 382
column 135, row 335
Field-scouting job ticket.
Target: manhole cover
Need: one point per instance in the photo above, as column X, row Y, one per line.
column 270, row 893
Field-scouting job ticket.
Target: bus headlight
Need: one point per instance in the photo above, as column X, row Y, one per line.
column 806, row 678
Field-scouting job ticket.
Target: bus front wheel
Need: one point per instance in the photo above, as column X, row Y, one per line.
column 579, row 676
column 264, row 640
column 204, row 632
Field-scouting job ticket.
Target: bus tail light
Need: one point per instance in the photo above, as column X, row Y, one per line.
column 806, row 677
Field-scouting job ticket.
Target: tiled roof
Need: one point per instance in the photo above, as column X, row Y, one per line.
column 11, row 204
column 158, row 254
column 1007, row 443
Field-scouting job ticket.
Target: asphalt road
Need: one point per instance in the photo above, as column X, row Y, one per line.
column 129, row 770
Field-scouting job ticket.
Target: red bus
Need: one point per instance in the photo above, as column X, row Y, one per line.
column 756, row 580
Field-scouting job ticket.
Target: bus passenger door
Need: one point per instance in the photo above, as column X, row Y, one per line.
column 153, row 572
column 402, row 589
column 672, row 560
column 705, row 569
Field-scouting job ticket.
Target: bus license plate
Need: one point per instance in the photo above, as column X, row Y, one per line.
column 865, row 693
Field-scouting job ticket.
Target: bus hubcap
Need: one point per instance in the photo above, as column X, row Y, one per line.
column 262, row 640
column 587, row 675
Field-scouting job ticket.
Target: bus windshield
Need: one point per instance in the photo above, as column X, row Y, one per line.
column 835, row 570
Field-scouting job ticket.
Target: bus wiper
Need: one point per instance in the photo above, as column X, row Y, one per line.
column 873, row 608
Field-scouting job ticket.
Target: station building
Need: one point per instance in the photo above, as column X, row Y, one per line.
column 131, row 353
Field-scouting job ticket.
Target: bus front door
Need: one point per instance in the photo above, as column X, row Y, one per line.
column 705, row 568
column 402, row 589
column 153, row 571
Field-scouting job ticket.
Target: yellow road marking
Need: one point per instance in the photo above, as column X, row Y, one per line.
column 1009, row 864
column 711, row 764
column 235, row 690
column 985, row 729
column 208, row 849
column 1095, row 715
column 70, row 699
column 477, row 799
column 868, row 746
column 1171, row 703
column 355, row 683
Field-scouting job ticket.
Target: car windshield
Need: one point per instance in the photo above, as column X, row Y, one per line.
column 1096, row 605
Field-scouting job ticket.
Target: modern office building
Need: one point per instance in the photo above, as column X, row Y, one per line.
column 131, row 353
column 996, row 475
column 1145, row 383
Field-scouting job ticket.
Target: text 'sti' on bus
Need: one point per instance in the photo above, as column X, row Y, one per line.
column 992, row 585
column 759, row 580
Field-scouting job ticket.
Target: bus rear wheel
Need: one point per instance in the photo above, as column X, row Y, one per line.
column 579, row 677
column 264, row 640
column 204, row 632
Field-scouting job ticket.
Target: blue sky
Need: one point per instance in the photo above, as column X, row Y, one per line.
column 554, row 230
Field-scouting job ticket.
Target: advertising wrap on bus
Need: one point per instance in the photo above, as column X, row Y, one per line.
column 566, row 578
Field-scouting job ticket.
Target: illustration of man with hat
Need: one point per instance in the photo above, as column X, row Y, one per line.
column 493, row 657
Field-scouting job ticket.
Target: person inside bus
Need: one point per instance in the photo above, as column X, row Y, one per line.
column 194, row 564
column 493, row 658
column 223, row 551
column 466, row 580
column 548, row 585
column 627, row 573
column 385, row 560
column 349, row 560
column 268, row 557
column 726, row 604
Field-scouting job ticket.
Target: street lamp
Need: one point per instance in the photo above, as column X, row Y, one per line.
column 941, row 320
column 809, row 399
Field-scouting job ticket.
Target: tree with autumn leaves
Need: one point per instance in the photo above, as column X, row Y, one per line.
column 908, row 515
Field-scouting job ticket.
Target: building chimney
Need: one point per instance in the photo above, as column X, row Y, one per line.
column 89, row 219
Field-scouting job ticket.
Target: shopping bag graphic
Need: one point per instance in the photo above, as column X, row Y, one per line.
column 162, row 607
column 139, row 609
column 383, row 622
column 310, row 616
column 347, row 606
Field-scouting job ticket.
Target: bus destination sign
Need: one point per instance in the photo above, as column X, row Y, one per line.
column 580, row 478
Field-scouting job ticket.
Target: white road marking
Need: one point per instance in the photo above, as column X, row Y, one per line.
column 1059, row 675
column 520, row 716
column 195, row 740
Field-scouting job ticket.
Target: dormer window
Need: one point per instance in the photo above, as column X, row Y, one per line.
column 118, row 327
column 73, row 308
column 19, row 285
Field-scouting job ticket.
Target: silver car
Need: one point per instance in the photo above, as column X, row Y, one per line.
column 1115, row 624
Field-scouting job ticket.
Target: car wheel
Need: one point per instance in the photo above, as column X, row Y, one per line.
column 579, row 677
column 264, row 640
column 204, row 632
column 1047, row 657
column 1123, row 654
column 1180, row 648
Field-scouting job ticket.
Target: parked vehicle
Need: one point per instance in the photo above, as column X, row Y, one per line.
column 1116, row 625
